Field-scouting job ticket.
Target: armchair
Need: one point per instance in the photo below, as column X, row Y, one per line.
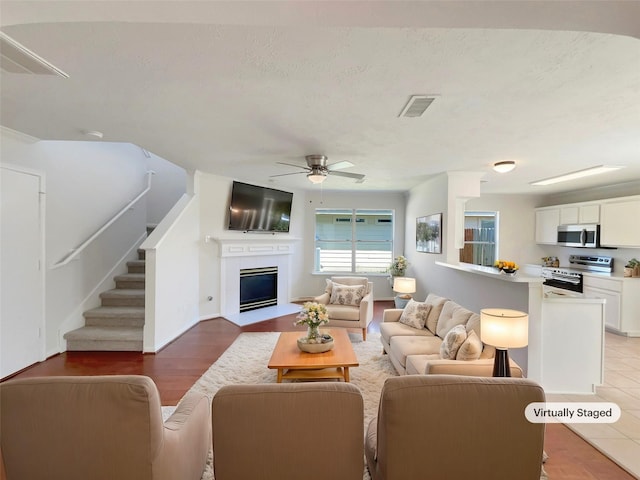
column 102, row 428
column 346, row 315
column 288, row 431
column 467, row 427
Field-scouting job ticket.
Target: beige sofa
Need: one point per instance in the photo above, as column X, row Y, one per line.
column 100, row 428
column 417, row 350
column 349, row 316
column 455, row 427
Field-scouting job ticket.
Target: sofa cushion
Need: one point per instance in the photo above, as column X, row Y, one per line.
column 415, row 314
column 452, row 342
column 436, row 303
column 471, row 348
column 343, row 312
column 416, row 364
column 402, row 346
column 393, row 329
column 452, row 315
column 347, row 294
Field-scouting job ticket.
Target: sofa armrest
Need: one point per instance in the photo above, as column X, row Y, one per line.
column 475, row 368
column 366, row 308
column 391, row 314
column 324, row 298
column 187, row 440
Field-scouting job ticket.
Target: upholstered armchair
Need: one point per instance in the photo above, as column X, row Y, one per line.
column 450, row 426
column 348, row 305
column 100, row 428
column 288, row 431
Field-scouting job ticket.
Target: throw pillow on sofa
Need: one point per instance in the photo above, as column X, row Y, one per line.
column 415, row 314
column 346, row 294
column 471, row 348
column 452, row 342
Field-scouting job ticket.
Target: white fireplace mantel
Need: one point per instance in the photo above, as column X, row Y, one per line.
column 258, row 245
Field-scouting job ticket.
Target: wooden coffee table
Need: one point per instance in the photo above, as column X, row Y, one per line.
column 292, row 363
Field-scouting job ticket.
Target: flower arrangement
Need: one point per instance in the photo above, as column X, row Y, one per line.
column 399, row 266
column 312, row 315
column 506, row 266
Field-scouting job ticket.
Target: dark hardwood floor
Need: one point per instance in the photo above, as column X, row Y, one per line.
column 176, row 367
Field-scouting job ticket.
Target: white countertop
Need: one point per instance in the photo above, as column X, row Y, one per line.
column 521, row 276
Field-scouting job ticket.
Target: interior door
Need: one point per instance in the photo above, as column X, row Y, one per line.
column 21, row 277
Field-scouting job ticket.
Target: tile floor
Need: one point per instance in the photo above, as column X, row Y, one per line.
column 620, row 441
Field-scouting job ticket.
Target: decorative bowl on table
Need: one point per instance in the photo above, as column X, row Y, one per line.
column 507, row 267
column 509, row 271
column 323, row 345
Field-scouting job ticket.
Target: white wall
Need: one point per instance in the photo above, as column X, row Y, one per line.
column 87, row 183
column 172, row 266
column 168, row 184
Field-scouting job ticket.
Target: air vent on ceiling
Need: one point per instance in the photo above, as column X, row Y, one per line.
column 416, row 105
column 16, row 58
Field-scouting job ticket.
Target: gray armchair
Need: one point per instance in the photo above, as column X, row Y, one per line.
column 100, row 428
column 345, row 315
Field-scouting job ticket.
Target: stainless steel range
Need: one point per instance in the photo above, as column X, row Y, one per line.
column 562, row 280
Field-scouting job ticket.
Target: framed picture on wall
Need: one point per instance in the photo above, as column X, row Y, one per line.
column 429, row 233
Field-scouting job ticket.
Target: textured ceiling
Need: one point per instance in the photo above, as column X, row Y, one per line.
column 233, row 88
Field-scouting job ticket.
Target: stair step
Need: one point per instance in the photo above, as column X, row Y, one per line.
column 136, row 266
column 130, row 281
column 111, row 339
column 115, row 317
column 120, row 297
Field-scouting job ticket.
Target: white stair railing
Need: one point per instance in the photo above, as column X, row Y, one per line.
column 74, row 252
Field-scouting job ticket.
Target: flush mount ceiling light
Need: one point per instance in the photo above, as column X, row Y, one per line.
column 94, row 134
column 504, row 167
column 575, row 175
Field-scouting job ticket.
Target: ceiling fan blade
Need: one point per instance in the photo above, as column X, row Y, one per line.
column 339, row 165
column 285, row 174
column 292, row 165
column 358, row 176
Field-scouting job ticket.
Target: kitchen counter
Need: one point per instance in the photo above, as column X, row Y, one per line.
column 521, row 276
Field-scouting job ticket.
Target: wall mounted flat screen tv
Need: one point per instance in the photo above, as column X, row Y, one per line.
column 259, row 209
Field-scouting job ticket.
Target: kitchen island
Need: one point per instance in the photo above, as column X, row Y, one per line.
column 565, row 334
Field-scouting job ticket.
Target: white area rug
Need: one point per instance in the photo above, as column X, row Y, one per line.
column 245, row 362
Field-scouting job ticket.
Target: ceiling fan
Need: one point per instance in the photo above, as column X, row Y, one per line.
column 317, row 169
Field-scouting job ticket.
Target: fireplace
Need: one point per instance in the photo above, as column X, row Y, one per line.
column 258, row 288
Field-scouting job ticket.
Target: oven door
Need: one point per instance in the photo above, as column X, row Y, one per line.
column 578, row 235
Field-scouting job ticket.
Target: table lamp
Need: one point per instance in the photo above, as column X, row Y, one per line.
column 405, row 286
column 503, row 329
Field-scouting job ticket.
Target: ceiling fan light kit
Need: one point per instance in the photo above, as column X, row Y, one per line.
column 318, row 170
column 504, row 167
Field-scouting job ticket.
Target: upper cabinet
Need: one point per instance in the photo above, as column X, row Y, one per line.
column 620, row 222
column 574, row 214
column 547, row 221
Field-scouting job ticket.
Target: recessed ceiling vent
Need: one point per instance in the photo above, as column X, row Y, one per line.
column 16, row 58
column 416, row 105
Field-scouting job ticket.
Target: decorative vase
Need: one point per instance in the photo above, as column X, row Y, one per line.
column 313, row 333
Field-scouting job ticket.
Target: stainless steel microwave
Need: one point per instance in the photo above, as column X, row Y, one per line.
column 586, row 236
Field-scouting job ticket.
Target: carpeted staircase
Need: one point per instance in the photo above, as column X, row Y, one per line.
column 118, row 324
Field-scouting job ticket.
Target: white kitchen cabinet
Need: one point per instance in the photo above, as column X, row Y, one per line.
column 589, row 213
column 622, row 309
column 620, row 223
column 547, row 221
column 580, row 214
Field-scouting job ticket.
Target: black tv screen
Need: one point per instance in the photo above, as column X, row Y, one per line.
column 261, row 209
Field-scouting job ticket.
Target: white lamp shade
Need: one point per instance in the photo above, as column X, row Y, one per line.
column 316, row 177
column 404, row 285
column 504, row 328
